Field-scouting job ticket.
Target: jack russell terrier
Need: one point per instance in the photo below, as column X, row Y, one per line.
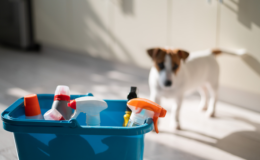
column 176, row 73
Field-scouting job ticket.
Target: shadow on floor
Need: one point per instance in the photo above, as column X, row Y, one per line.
column 244, row 144
column 41, row 73
column 155, row 151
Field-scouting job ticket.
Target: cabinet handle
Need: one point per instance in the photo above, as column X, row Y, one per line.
column 220, row 1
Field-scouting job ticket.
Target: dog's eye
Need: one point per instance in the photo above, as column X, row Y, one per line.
column 175, row 67
column 161, row 65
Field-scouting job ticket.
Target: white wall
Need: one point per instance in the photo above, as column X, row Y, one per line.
column 144, row 27
column 193, row 24
column 240, row 27
column 124, row 29
column 76, row 25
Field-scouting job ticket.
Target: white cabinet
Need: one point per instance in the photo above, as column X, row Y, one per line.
column 240, row 28
column 91, row 27
column 52, row 22
column 193, row 24
column 138, row 25
column 82, row 25
column 123, row 30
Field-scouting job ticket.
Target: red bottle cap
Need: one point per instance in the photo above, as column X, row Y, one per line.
column 72, row 104
column 31, row 105
column 62, row 93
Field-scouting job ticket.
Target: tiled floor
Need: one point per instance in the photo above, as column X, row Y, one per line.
column 233, row 135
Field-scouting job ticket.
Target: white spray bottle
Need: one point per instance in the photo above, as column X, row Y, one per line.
column 92, row 106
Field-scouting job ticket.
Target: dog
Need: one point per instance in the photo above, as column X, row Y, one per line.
column 176, row 72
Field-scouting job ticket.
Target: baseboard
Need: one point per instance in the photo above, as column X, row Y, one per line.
column 240, row 98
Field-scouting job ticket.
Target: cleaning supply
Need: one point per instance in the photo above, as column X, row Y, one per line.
column 61, row 99
column 32, row 107
column 53, row 114
column 143, row 109
column 128, row 111
column 91, row 106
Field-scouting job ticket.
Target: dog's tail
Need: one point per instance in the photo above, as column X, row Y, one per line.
column 249, row 59
column 237, row 52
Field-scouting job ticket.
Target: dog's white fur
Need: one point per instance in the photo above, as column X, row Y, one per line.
column 199, row 72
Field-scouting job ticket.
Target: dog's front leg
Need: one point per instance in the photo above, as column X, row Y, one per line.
column 154, row 96
column 176, row 114
column 212, row 101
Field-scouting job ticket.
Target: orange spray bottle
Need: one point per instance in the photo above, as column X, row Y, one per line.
column 143, row 109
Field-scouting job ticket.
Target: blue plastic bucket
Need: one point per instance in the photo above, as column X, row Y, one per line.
column 72, row 140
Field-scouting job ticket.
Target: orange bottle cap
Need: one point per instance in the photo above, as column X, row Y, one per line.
column 142, row 103
column 31, row 105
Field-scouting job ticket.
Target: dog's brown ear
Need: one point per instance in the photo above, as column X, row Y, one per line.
column 182, row 54
column 151, row 52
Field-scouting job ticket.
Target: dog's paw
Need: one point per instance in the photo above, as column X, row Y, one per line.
column 203, row 107
column 210, row 114
column 178, row 127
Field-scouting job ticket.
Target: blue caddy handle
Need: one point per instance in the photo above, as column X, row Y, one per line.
column 69, row 127
column 11, row 108
column 6, row 118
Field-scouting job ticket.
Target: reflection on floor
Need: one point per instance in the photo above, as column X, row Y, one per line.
column 233, row 134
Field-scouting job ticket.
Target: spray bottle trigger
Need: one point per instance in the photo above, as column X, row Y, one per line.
column 162, row 113
column 155, row 123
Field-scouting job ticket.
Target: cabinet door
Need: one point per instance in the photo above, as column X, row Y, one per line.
column 193, row 24
column 240, row 28
column 52, row 22
column 138, row 25
column 91, row 27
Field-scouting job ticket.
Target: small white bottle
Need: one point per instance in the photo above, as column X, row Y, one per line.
column 53, row 114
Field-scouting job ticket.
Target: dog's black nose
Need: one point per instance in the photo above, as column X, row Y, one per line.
column 168, row 83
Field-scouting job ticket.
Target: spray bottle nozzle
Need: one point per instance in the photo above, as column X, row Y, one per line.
column 132, row 93
column 72, row 104
column 148, row 109
column 133, row 89
column 163, row 113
